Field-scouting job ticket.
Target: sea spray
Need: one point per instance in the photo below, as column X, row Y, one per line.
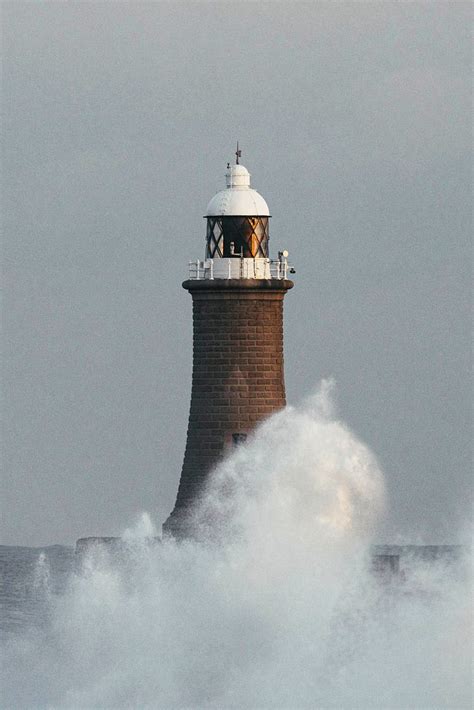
column 272, row 605
column 42, row 574
column 303, row 476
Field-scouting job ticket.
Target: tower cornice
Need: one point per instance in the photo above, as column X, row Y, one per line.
column 248, row 285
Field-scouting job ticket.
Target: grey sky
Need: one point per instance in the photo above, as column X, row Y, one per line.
column 354, row 121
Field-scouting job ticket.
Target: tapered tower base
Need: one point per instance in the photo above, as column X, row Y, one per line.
column 238, row 376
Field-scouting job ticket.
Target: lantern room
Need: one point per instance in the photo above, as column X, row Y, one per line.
column 237, row 219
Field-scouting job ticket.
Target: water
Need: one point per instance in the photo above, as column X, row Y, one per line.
column 274, row 605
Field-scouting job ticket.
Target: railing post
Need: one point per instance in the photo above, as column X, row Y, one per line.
column 212, row 269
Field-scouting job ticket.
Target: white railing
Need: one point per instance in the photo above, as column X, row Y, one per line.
column 201, row 269
column 279, row 268
column 232, row 268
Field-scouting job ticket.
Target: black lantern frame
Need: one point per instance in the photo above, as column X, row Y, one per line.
column 245, row 236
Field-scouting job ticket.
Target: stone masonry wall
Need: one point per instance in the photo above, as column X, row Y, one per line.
column 238, row 376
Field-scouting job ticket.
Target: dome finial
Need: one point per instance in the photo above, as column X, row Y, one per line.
column 238, row 154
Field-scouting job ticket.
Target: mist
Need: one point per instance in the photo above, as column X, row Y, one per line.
column 273, row 605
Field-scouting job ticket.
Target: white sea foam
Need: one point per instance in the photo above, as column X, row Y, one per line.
column 274, row 606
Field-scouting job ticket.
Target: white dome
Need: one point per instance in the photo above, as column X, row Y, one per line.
column 237, row 176
column 238, row 199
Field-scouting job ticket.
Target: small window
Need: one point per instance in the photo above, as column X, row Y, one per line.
column 238, row 438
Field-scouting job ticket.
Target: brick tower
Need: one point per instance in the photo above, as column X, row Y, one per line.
column 238, row 377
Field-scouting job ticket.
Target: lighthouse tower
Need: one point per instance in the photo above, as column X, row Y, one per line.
column 238, row 376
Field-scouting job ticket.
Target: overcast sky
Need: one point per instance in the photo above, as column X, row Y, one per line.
column 354, row 120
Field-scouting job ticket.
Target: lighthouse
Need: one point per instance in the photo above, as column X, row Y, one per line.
column 238, row 377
